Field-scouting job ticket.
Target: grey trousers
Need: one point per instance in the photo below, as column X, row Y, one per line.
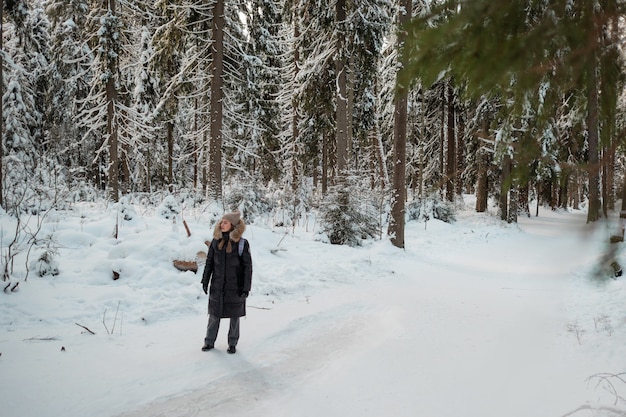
column 214, row 326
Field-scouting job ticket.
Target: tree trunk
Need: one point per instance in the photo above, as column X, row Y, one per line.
column 460, row 148
column 482, row 175
column 522, row 203
column 294, row 106
column 111, row 97
column 147, row 185
column 513, row 205
column 442, row 137
column 196, row 146
column 451, row 145
column 170, row 156
column 396, row 223
column 420, row 148
column 554, row 190
column 576, row 190
column 609, row 126
column 350, row 111
column 1, row 108
column 593, row 212
column 538, row 199
column 125, row 179
column 608, row 178
column 379, row 156
column 624, row 193
column 505, row 186
column 564, row 179
column 324, row 164
column 217, row 83
column 481, row 183
column 342, row 96
column 205, row 152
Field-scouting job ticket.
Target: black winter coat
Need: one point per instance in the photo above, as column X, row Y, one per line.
column 228, row 275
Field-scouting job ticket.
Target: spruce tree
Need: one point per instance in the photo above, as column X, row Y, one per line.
column 529, row 54
column 69, row 84
column 23, row 102
column 348, row 212
column 255, row 121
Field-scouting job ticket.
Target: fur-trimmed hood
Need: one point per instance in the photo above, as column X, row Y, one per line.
column 235, row 234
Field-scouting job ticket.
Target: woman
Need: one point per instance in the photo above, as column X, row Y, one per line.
column 228, row 270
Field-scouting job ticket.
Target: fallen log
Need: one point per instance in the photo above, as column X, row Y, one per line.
column 186, row 265
column 190, row 265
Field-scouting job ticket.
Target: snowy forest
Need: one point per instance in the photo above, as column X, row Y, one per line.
column 433, row 194
column 380, row 110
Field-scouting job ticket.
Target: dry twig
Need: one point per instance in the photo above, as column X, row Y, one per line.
column 80, row 325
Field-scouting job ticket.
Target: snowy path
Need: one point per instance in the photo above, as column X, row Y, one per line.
column 466, row 334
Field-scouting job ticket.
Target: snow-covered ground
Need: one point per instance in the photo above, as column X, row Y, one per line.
column 475, row 318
